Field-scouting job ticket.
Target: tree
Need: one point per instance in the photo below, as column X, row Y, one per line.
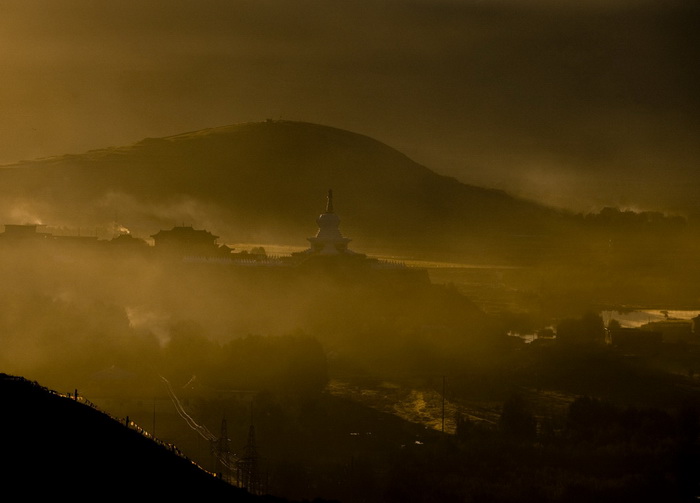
column 516, row 421
column 589, row 329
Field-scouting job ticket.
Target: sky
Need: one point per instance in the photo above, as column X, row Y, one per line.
column 574, row 104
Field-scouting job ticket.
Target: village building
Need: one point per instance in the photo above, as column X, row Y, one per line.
column 673, row 330
column 185, row 241
column 14, row 232
column 636, row 341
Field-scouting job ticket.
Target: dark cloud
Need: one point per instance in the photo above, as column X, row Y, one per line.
column 577, row 104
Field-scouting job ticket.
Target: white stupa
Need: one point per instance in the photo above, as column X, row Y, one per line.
column 328, row 239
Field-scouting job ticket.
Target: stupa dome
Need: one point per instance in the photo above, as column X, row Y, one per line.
column 328, row 239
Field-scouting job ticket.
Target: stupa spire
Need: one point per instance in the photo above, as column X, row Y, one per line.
column 329, row 202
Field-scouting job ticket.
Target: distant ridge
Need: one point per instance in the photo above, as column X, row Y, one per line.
column 266, row 182
column 55, row 446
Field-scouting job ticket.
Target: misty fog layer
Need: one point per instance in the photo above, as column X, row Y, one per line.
column 338, row 367
column 76, row 314
column 580, row 106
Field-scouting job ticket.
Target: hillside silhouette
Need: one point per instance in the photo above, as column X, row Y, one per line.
column 53, row 445
column 261, row 182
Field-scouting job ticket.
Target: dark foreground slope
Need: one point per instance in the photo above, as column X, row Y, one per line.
column 265, row 182
column 56, row 446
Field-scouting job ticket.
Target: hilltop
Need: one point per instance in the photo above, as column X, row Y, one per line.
column 266, row 182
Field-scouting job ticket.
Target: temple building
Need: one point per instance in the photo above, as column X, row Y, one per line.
column 186, row 241
column 330, row 254
column 328, row 241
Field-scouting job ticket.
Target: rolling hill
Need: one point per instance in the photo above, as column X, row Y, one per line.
column 266, row 182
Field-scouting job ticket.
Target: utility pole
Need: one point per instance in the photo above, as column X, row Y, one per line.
column 249, row 464
column 443, row 404
column 223, row 453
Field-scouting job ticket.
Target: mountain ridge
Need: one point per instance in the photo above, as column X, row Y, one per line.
column 266, row 182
